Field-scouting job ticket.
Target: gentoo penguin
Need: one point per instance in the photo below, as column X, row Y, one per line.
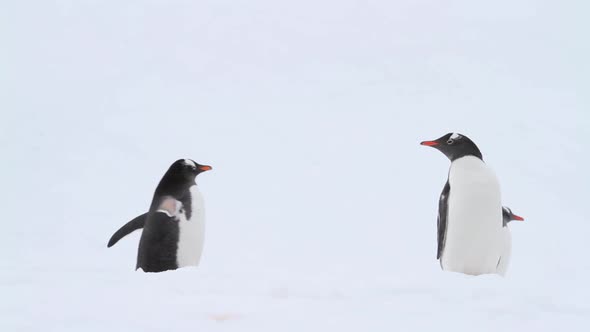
column 470, row 238
column 174, row 226
column 507, row 216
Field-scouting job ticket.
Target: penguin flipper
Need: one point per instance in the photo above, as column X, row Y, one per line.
column 135, row 224
column 441, row 221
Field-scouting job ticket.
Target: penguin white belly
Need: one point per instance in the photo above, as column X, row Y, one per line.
column 506, row 251
column 191, row 232
column 474, row 225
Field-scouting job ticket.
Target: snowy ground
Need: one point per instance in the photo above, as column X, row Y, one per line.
column 322, row 205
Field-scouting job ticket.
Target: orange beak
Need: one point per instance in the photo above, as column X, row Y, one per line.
column 429, row 143
column 519, row 218
column 205, row 168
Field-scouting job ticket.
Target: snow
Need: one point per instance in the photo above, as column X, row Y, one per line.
column 321, row 207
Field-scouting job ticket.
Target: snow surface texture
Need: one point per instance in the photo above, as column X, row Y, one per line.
column 321, row 207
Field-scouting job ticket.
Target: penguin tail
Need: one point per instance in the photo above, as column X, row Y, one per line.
column 135, row 224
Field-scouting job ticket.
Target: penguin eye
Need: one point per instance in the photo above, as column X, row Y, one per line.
column 450, row 141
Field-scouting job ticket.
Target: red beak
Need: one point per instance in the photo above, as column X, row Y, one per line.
column 205, row 168
column 429, row 143
column 519, row 218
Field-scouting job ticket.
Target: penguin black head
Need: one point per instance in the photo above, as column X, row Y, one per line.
column 508, row 216
column 188, row 168
column 455, row 146
column 181, row 174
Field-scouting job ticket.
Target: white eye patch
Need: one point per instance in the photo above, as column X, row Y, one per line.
column 169, row 206
column 190, row 162
column 455, row 136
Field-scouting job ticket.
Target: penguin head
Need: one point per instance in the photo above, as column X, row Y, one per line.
column 508, row 216
column 180, row 175
column 455, row 146
column 186, row 170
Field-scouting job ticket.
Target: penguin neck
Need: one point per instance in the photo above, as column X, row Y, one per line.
column 473, row 153
column 505, row 218
column 477, row 153
column 174, row 185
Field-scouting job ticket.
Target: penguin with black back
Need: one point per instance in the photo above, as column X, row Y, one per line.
column 174, row 226
column 507, row 217
column 469, row 227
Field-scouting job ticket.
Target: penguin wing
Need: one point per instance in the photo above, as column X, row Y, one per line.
column 158, row 247
column 135, row 224
column 441, row 221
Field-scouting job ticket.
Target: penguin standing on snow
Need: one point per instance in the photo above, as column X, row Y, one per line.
column 507, row 216
column 174, row 226
column 470, row 237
